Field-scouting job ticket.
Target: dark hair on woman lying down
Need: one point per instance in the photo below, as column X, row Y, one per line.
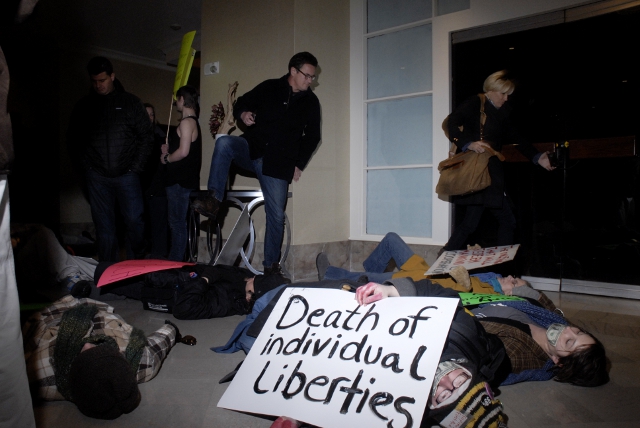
column 586, row 367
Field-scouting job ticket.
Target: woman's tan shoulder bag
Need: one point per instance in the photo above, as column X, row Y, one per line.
column 466, row 172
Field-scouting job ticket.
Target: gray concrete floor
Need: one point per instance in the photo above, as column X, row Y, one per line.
column 186, row 391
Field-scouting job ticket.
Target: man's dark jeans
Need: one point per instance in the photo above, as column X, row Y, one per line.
column 178, row 206
column 103, row 194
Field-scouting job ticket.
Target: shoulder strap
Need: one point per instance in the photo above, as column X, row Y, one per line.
column 483, row 119
column 483, row 115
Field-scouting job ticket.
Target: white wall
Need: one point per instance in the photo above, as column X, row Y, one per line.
column 253, row 40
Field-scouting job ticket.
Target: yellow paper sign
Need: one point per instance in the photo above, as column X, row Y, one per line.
column 185, row 62
column 185, row 76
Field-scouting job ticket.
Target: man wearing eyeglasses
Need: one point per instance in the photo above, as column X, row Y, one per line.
column 283, row 130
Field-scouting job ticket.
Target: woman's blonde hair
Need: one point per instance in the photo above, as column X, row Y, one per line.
column 499, row 81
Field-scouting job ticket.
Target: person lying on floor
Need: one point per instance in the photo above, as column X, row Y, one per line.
column 41, row 261
column 540, row 343
column 199, row 291
column 469, row 365
column 79, row 350
column 413, row 266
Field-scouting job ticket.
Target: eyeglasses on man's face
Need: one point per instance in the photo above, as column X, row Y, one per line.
column 307, row 76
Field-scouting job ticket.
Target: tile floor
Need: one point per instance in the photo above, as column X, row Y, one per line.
column 186, row 391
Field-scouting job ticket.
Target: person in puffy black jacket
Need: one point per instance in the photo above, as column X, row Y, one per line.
column 195, row 292
column 110, row 137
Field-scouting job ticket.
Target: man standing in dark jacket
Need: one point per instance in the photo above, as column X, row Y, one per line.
column 283, row 130
column 110, row 136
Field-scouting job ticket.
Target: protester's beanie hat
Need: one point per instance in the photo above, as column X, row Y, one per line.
column 444, row 368
column 262, row 284
column 471, row 406
column 102, row 383
column 476, row 409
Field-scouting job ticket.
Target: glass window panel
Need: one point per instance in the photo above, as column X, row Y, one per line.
column 383, row 14
column 399, row 132
column 399, row 200
column 399, row 62
column 449, row 6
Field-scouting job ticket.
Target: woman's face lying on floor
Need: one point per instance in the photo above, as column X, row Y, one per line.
column 510, row 282
column 572, row 339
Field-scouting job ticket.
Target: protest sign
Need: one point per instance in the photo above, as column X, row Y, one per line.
column 472, row 299
column 472, row 259
column 185, row 61
column 130, row 268
column 323, row 359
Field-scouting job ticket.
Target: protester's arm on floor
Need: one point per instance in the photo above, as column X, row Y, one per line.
column 158, row 345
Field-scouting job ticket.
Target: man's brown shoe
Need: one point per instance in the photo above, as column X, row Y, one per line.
column 207, row 206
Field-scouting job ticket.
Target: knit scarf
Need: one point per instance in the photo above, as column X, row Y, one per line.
column 544, row 318
column 541, row 316
column 73, row 327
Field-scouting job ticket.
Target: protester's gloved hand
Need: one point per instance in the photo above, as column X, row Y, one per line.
column 187, row 340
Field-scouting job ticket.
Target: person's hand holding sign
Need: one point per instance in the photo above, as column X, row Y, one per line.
column 373, row 292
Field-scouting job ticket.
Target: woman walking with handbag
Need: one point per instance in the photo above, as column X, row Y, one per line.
column 469, row 131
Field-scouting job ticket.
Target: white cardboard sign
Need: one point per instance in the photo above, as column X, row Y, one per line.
column 472, row 259
column 324, row 360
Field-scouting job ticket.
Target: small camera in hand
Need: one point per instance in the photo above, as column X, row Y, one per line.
column 553, row 159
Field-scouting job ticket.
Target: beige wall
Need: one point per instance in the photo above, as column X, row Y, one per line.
column 149, row 83
column 253, row 40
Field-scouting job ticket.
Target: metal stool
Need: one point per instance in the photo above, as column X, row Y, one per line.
column 239, row 199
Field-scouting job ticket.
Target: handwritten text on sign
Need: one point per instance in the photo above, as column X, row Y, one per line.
column 322, row 359
column 472, row 259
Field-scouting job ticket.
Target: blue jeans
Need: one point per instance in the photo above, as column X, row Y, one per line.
column 103, row 194
column 177, row 207
column 236, row 149
column 391, row 247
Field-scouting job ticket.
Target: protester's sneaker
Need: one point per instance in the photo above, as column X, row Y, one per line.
column 207, row 206
column 81, row 289
column 274, row 269
column 322, row 264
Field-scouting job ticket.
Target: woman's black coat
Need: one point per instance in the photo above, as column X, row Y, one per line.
column 498, row 130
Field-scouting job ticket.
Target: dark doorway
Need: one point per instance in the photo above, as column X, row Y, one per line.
column 577, row 81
